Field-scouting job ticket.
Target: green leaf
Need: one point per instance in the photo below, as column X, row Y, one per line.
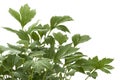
column 72, row 58
column 60, row 37
column 108, row 67
column 27, row 65
column 12, row 60
column 15, row 14
column 55, row 20
column 37, row 54
column 79, row 39
column 76, row 39
column 105, row 70
column 25, row 42
column 63, row 28
column 2, row 49
column 42, row 64
column 35, row 36
column 50, row 40
column 9, row 29
column 26, row 14
column 19, row 48
column 106, row 60
column 23, row 35
column 65, row 51
column 32, row 27
column 84, row 38
column 94, row 75
column 58, row 68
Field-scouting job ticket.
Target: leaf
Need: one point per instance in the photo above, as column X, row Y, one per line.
column 37, row 54
column 60, row 37
column 9, row 29
column 55, row 20
column 108, row 67
column 50, row 40
column 19, row 48
column 76, row 39
column 2, row 49
column 32, row 27
column 25, row 42
column 63, row 28
column 35, row 36
column 72, row 58
column 79, row 39
column 27, row 65
column 11, row 61
column 42, row 64
column 84, row 38
column 94, row 75
column 62, row 50
column 23, row 35
column 106, row 60
column 15, row 14
column 105, row 70
column 58, row 68
column 26, row 14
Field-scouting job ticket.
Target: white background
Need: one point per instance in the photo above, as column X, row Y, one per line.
column 98, row 18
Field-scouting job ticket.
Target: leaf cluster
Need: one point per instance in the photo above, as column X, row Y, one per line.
column 43, row 53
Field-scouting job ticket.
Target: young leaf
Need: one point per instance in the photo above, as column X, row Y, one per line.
column 15, row 14
column 26, row 14
column 63, row 28
column 56, row 20
column 60, row 37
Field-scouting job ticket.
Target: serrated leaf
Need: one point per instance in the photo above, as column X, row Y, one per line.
column 15, row 14
column 35, row 36
column 63, row 28
column 60, row 37
column 55, row 20
column 26, row 14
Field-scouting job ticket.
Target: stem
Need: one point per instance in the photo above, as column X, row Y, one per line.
column 90, row 73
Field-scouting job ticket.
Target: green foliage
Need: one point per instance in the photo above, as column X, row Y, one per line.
column 42, row 54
